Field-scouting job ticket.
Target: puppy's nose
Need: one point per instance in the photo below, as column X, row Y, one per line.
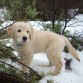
column 24, row 38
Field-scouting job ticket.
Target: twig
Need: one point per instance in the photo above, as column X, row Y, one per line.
column 65, row 21
column 13, row 67
column 7, row 26
column 27, row 67
column 4, row 76
column 78, row 41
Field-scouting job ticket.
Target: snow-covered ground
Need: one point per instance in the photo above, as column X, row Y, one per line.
column 74, row 76
column 65, row 76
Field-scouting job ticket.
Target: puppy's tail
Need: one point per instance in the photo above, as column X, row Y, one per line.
column 72, row 50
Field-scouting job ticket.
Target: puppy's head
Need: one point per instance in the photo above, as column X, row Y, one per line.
column 20, row 32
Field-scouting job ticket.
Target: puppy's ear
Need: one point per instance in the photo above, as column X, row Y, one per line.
column 31, row 34
column 10, row 31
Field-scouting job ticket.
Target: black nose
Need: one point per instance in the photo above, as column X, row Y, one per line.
column 24, row 38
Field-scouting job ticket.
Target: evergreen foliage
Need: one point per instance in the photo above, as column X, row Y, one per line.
column 9, row 70
column 57, row 29
column 20, row 9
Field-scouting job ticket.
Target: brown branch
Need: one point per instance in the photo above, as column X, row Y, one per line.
column 13, row 67
column 75, row 38
column 8, row 25
column 10, row 66
column 8, row 77
column 65, row 21
column 14, row 59
column 3, row 30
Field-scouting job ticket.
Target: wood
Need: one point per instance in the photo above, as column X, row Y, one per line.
column 8, row 78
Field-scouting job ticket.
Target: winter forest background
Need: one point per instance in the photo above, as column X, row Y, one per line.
column 44, row 15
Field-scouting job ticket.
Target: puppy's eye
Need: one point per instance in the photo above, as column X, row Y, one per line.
column 27, row 31
column 19, row 30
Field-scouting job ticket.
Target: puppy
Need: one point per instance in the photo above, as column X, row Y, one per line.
column 28, row 41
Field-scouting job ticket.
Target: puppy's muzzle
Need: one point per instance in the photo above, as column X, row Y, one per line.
column 24, row 38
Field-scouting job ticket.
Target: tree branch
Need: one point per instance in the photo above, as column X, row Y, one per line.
column 14, row 59
column 65, row 21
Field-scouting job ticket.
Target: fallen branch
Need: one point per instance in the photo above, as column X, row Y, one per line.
column 26, row 78
column 16, row 60
column 3, row 30
column 5, row 77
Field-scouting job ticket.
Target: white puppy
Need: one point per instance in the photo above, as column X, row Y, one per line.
column 28, row 41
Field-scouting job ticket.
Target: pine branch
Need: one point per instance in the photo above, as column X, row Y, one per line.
column 77, row 40
column 9, row 78
column 16, row 60
column 25, row 77
column 3, row 30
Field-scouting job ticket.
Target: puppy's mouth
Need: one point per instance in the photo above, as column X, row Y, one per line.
column 21, row 43
column 24, row 41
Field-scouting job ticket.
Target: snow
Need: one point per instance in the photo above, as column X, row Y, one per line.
column 76, row 24
column 74, row 76
column 65, row 76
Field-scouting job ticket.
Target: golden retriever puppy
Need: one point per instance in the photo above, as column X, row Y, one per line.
column 28, row 41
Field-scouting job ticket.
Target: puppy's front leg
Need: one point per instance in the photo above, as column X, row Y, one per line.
column 26, row 59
